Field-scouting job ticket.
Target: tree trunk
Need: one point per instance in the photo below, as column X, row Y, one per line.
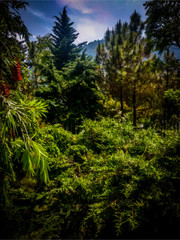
column 121, row 99
column 165, row 103
column 164, row 122
column 35, row 80
column 178, row 123
column 134, row 104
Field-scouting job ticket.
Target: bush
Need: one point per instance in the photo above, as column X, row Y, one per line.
column 109, row 181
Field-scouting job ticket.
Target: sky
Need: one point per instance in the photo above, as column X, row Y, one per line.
column 91, row 17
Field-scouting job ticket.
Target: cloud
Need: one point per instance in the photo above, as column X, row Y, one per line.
column 78, row 5
column 90, row 30
column 39, row 14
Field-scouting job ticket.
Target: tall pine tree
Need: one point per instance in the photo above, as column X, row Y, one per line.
column 162, row 23
column 63, row 38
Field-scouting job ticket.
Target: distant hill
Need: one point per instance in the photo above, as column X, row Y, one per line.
column 91, row 47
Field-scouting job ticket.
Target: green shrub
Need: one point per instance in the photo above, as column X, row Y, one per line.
column 109, row 181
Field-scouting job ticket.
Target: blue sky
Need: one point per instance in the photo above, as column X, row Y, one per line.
column 91, row 17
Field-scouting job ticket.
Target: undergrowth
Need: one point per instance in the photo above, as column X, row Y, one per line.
column 108, row 181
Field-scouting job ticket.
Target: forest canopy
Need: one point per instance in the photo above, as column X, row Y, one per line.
column 89, row 148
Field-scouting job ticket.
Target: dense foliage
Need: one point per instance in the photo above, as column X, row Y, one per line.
column 108, row 181
column 89, row 149
column 161, row 28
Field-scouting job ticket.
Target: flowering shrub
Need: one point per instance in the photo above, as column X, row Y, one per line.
column 4, row 89
column 16, row 75
column 16, row 70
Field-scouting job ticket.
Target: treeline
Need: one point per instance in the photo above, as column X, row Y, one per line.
column 90, row 148
column 126, row 73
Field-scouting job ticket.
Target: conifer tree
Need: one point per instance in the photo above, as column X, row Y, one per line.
column 122, row 60
column 79, row 98
column 162, row 23
column 63, row 38
column 136, row 27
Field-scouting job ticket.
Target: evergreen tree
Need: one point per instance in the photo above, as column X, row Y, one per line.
column 169, row 70
column 63, row 38
column 136, row 27
column 162, row 23
column 122, row 62
column 80, row 98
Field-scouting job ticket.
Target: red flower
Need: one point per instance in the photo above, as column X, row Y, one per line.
column 16, row 71
column 4, row 89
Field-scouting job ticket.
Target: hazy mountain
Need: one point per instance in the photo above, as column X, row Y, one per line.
column 91, row 47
